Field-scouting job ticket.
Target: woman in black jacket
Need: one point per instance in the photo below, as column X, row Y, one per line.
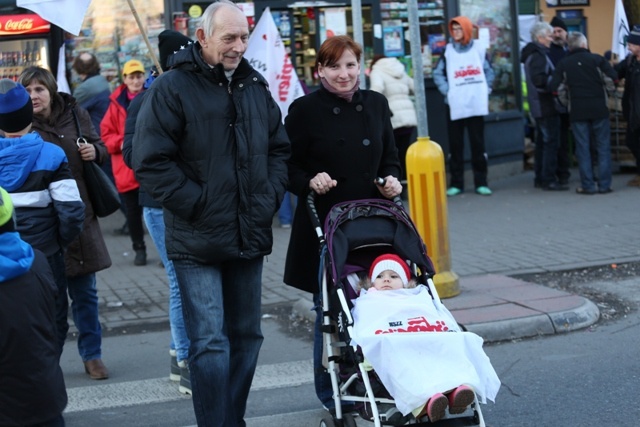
column 341, row 140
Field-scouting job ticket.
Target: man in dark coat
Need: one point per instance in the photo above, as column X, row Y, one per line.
column 210, row 146
column 557, row 51
column 584, row 75
column 32, row 389
column 538, row 69
column 629, row 70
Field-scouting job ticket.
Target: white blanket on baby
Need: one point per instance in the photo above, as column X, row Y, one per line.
column 395, row 330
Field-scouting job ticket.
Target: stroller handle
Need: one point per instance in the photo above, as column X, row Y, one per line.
column 396, row 199
column 313, row 214
column 315, row 218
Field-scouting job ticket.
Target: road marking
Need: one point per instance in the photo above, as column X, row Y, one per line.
column 158, row 390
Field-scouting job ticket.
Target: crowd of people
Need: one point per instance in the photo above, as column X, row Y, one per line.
column 567, row 89
column 209, row 208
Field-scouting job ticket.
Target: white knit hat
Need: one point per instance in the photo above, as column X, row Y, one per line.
column 390, row 262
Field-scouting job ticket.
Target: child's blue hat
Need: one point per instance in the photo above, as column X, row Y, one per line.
column 16, row 110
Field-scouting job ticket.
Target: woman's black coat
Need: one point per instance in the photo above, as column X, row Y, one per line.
column 352, row 142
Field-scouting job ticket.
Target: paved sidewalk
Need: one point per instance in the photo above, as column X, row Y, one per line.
column 517, row 230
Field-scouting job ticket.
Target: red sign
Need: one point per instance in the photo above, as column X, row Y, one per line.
column 23, row 24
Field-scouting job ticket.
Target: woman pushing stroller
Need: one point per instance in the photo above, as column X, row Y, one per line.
column 425, row 373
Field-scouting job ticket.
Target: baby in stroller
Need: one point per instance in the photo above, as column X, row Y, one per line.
column 425, row 373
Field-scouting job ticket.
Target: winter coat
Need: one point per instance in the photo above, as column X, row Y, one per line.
column 93, row 95
column 538, row 69
column 629, row 70
column 388, row 77
column 583, row 74
column 49, row 210
column 352, row 142
column 144, row 199
column 556, row 53
column 214, row 154
column 87, row 253
column 112, row 133
column 32, row 389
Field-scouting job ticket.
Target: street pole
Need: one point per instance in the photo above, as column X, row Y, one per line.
column 426, row 176
column 356, row 25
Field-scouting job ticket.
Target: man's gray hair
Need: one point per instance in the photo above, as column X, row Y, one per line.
column 576, row 40
column 540, row 29
column 208, row 22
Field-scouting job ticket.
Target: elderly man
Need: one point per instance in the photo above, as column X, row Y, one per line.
column 210, row 146
column 584, row 74
column 558, row 50
column 538, row 69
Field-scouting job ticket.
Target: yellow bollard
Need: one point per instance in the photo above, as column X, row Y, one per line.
column 426, row 180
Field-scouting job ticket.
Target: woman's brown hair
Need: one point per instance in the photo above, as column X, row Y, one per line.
column 333, row 48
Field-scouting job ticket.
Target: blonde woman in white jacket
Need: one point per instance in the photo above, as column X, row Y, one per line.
column 388, row 76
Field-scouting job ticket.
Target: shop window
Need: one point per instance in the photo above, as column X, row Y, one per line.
column 303, row 29
column 395, row 32
column 493, row 17
column 110, row 32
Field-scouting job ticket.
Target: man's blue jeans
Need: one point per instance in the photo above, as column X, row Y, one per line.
column 84, row 307
column 285, row 213
column 550, row 130
column 221, row 304
column 154, row 220
column 582, row 132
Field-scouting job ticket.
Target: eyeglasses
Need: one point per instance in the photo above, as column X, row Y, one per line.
column 456, row 28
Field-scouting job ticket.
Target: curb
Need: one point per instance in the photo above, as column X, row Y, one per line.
column 545, row 323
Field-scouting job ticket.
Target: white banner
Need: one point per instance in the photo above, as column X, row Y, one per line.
column 66, row 14
column 620, row 31
column 266, row 54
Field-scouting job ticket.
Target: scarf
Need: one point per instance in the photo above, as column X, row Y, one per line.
column 347, row 96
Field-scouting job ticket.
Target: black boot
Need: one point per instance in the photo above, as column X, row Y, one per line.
column 141, row 254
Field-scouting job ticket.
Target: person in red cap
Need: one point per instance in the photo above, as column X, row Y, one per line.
column 388, row 272
column 112, row 132
column 455, row 366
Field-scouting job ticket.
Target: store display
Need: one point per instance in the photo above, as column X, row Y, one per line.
column 19, row 54
column 432, row 29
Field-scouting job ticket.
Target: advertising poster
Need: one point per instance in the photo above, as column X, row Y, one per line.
column 393, row 41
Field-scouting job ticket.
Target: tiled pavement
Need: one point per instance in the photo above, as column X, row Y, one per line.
column 517, row 230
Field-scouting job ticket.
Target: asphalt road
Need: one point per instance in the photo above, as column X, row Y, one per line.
column 584, row 378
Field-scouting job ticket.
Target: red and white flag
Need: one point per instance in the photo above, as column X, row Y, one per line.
column 266, row 53
column 66, row 14
column 620, row 31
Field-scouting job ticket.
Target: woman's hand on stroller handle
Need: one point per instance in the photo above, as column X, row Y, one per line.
column 322, row 183
column 389, row 186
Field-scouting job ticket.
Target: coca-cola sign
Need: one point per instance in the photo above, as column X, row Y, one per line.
column 23, row 24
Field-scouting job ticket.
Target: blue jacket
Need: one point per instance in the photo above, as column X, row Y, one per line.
column 49, row 210
column 16, row 256
column 93, row 95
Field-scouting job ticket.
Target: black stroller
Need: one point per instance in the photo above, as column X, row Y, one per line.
column 355, row 233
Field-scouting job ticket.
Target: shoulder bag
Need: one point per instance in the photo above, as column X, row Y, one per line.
column 102, row 192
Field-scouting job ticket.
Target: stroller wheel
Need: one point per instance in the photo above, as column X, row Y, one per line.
column 346, row 421
column 349, row 421
column 327, row 421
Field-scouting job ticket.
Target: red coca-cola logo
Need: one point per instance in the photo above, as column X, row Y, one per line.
column 23, row 24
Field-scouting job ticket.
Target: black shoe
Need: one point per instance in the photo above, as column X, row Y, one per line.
column 122, row 231
column 555, row 186
column 185, row 378
column 141, row 254
column 174, row 372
